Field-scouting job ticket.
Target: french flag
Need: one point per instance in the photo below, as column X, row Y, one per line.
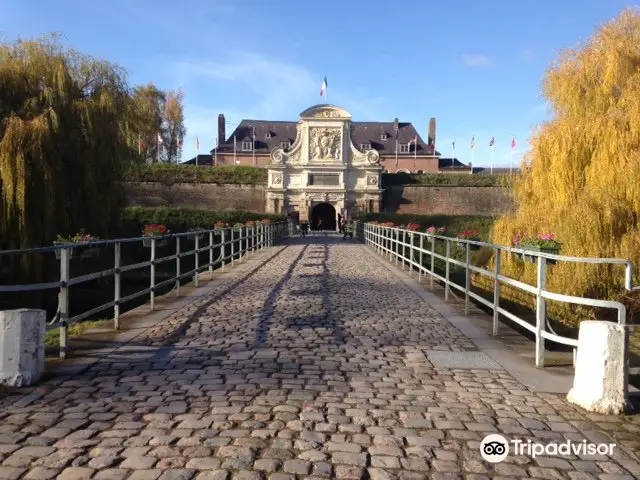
column 323, row 87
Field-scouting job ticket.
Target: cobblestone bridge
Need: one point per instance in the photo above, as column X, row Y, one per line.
column 315, row 359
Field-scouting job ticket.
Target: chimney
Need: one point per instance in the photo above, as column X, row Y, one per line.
column 432, row 132
column 221, row 130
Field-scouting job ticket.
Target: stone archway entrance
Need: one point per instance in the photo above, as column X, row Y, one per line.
column 323, row 217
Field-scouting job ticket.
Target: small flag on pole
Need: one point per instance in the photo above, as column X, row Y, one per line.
column 513, row 142
column 197, row 144
column 492, row 142
column 473, row 142
column 323, row 87
column 453, row 144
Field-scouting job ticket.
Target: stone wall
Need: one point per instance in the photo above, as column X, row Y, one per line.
column 205, row 196
column 447, row 200
column 416, row 199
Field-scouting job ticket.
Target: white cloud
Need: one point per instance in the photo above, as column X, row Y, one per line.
column 258, row 87
column 476, row 60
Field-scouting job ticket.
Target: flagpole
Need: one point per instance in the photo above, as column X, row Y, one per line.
column 215, row 153
column 253, row 141
column 415, row 151
column 511, row 162
column 453, row 157
column 234, row 150
column 492, row 147
column 139, row 145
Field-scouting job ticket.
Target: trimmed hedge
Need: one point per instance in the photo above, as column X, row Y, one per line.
column 182, row 219
column 453, row 223
column 170, row 174
column 457, row 180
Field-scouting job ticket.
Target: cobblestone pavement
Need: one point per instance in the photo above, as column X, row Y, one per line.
column 312, row 365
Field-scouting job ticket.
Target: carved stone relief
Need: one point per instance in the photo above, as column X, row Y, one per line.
column 372, row 180
column 324, row 143
column 277, row 179
column 327, row 114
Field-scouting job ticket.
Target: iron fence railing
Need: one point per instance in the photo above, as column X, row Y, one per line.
column 231, row 244
column 417, row 250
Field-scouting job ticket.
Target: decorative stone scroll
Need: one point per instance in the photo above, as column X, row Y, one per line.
column 370, row 156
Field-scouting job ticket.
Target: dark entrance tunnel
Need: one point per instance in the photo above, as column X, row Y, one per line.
column 323, row 217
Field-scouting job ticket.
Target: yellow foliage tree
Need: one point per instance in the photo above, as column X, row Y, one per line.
column 65, row 139
column 581, row 179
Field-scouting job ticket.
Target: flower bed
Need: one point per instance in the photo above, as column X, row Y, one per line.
column 469, row 234
column 542, row 242
column 155, row 230
column 80, row 237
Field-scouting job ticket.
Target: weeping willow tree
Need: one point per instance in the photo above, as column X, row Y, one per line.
column 581, row 178
column 65, row 139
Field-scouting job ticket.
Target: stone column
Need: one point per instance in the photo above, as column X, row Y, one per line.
column 21, row 346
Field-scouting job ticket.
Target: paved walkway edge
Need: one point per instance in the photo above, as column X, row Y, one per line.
column 536, row 379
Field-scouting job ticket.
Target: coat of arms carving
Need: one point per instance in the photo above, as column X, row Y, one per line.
column 324, row 144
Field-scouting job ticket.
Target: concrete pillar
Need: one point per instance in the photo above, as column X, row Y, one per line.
column 601, row 375
column 21, row 346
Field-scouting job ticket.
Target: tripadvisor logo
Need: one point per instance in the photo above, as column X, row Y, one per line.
column 495, row 448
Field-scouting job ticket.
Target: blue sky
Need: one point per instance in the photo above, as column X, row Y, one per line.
column 475, row 66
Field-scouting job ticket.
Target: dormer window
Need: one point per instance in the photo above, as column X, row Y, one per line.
column 405, row 148
column 365, row 146
column 246, row 146
column 285, row 145
column 267, row 135
column 384, row 136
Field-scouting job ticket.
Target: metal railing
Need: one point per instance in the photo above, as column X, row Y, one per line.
column 413, row 248
column 232, row 244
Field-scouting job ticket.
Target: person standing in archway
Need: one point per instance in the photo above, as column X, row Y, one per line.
column 340, row 223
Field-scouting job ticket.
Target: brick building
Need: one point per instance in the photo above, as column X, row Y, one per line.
column 400, row 146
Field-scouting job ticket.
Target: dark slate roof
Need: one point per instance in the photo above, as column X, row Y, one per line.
column 203, row 159
column 445, row 163
column 271, row 134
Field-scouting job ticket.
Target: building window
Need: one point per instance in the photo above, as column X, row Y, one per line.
column 267, row 135
column 285, row 145
column 323, row 179
column 384, row 136
column 365, row 146
column 405, row 148
column 246, row 146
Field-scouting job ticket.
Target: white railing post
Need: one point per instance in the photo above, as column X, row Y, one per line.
column 496, row 293
column 396, row 250
column 420, row 256
column 222, row 248
column 211, row 255
column 63, row 299
column 196, row 261
column 404, row 250
column 233, row 243
column 152, row 275
column 178, row 250
column 433, row 261
column 467, row 280
column 117, row 262
column 447, row 270
column 541, row 310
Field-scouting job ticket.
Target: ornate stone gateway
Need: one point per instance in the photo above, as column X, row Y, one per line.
column 323, row 166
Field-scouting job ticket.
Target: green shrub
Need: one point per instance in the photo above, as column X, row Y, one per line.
column 170, row 174
column 453, row 223
column 458, row 180
column 182, row 219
